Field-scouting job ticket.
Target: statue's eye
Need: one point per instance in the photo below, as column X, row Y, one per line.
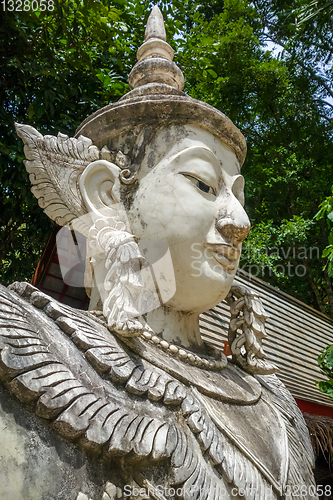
column 205, row 188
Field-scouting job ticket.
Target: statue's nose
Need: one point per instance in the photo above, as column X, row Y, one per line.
column 234, row 227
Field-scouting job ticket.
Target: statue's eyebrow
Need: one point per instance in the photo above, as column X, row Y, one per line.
column 212, row 155
column 205, row 153
column 213, row 159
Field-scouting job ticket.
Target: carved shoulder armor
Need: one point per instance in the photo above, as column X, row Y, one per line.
column 154, row 423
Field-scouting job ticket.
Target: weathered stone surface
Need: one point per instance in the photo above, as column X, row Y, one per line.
column 36, row 464
column 130, row 399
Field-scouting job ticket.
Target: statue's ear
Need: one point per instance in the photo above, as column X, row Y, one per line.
column 100, row 187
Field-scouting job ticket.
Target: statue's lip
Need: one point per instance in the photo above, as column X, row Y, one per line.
column 225, row 254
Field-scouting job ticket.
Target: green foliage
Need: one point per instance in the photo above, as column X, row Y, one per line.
column 269, row 245
column 325, row 361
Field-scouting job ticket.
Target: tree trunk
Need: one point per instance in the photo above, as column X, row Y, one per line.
column 329, row 291
column 314, row 288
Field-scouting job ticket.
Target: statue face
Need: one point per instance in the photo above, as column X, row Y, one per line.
column 192, row 200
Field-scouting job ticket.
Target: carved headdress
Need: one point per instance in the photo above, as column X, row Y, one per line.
column 156, row 99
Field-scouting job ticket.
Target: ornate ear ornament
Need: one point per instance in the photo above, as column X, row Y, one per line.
column 247, row 330
column 111, row 241
column 55, row 165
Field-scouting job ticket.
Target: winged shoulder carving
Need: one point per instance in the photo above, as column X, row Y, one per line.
column 93, row 390
column 55, row 165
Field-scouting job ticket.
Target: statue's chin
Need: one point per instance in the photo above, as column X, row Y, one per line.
column 200, row 295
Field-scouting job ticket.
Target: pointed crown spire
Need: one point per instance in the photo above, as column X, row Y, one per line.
column 155, row 57
column 156, row 99
column 155, row 25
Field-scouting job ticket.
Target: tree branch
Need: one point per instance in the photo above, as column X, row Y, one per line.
column 314, row 288
column 329, row 291
column 299, row 62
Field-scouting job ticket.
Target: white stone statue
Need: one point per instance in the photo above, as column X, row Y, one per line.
column 128, row 393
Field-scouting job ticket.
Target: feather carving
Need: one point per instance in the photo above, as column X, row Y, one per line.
column 55, row 165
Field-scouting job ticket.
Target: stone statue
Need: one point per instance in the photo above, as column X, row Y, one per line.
column 126, row 401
